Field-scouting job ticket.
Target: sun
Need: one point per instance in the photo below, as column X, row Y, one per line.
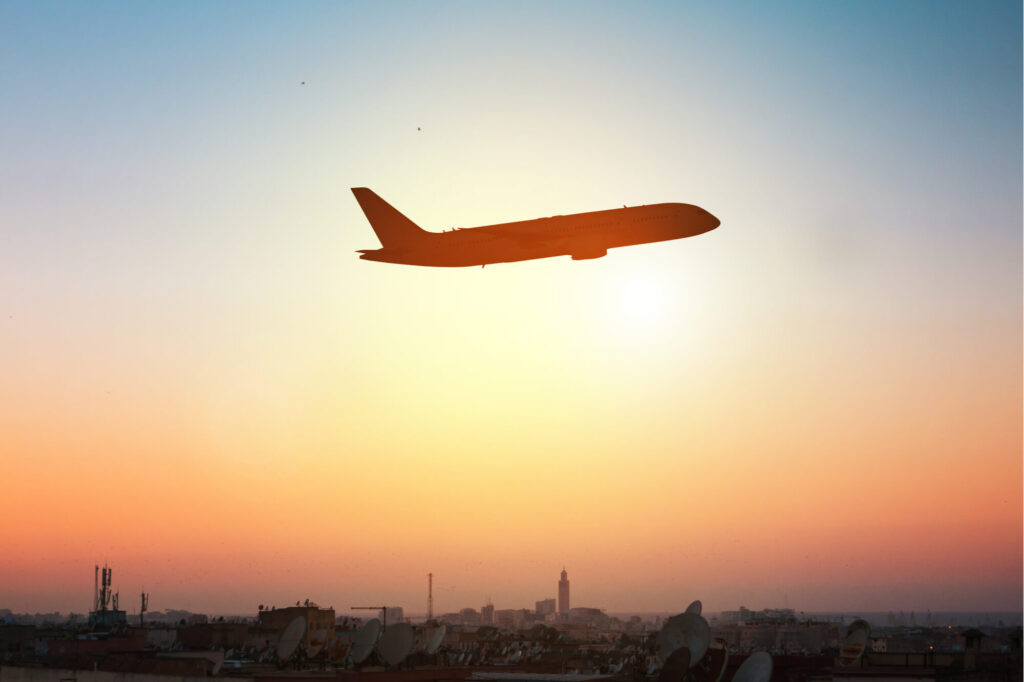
column 641, row 301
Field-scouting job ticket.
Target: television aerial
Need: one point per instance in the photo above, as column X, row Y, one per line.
column 757, row 668
column 395, row 644
column 366, row 640
column 290, row 638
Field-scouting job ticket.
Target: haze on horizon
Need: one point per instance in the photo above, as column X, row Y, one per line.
column 817, row 402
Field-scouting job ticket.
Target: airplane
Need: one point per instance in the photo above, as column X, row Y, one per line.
column 581, row 236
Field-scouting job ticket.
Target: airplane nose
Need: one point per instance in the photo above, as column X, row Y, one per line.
column 711, row 221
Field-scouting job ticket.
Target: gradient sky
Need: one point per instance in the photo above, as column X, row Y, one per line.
column 818, row 403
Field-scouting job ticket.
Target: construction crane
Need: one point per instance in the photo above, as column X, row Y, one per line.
column 382, row 609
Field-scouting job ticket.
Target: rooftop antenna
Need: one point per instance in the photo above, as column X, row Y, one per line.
column 430, row 596
column 143, row 606
column 96, row 588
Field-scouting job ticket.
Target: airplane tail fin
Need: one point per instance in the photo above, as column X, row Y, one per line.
column 393, row 229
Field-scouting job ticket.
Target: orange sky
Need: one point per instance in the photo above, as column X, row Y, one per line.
column 818, row 403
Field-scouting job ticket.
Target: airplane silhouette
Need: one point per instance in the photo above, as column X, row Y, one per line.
column 581, row 236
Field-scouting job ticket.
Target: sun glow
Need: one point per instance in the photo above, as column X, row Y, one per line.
column 642, row 301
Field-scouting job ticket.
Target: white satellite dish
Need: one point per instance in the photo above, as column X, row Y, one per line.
column 757, row 668
column 694, row 607
column 366, row 639
column 854, row 643
column 437, row 638
column 685, row 630
column 290, row 638
column 316, row 642
column 395, row 644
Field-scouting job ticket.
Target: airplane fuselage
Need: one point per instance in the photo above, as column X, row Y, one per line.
column 581, row 236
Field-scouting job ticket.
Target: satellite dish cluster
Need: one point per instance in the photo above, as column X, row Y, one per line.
column 390, row 647
column 686, row 652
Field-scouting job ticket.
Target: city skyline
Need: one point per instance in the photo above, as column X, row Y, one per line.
column 818, row 401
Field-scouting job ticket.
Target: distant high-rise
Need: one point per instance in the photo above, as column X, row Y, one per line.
column 563, row 593
column 545, row 607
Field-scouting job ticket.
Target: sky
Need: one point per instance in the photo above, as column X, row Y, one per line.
column 817, row 404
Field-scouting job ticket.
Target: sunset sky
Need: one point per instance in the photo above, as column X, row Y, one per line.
column 818, row 403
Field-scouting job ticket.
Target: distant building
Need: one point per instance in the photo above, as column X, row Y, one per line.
column 487, row 614
column 505, row 618
column 395, row 614
column 563, row 593
column 545, row 606
column 469, row 617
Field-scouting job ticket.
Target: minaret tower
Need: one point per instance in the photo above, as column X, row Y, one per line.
column 563, row 593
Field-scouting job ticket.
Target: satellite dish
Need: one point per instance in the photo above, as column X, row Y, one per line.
column 366, row 639
column 859, row 624
column 290, row 638
column 420, row 638
column 854, row 643
column 395, row 644
column 676, row 665
column 757, row 668
column 338, row 650
column 316, row 642
column 436, row 638
column 694, row 607
column 685, row 630
column 712, row 666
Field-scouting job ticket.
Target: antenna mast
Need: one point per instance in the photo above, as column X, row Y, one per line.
column 143, row 607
